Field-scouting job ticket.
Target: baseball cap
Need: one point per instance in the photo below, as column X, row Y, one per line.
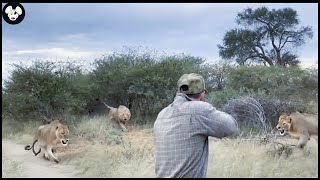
column 193, row 83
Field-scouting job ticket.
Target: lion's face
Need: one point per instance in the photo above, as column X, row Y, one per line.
column 284, row 124
column 124, row 114
column 62, row 133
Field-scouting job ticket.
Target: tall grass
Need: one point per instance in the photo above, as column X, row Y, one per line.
column 133, row 157
column 21, row 132
column 113, row 153
column 98, row 129
column 248, row 159
column 11, row 168
column 99, row 149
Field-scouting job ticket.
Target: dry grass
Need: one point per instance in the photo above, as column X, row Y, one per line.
column 97, row 130
column 132, row 157
column 11, row 168
column 252, row 159
column 99, row 150
column 19, row 132
column 234, row 158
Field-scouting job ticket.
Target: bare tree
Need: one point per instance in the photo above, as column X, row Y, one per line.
column 248, row 111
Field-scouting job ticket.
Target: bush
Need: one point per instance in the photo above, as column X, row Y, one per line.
column 283, row 83
column 45, row 88
column 249, row 112
column 219, row 98
column 98, row 129
column 146, row 83
column 274, row 107
column 142, row 82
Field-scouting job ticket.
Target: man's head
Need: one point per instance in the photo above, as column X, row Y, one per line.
column 192, row 85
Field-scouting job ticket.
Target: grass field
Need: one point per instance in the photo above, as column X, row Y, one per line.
column 98, row 149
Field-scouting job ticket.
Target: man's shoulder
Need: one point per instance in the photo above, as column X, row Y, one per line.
column 199, row 106
column 202, row 104
column 189, row 107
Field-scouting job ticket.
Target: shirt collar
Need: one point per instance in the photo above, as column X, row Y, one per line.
column 180, row 97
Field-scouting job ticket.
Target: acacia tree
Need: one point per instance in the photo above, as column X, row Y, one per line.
column 268, row 37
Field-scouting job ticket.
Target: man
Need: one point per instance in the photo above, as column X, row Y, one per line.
column 181, row 131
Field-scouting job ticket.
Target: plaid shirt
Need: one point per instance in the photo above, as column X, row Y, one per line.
column 181, row 133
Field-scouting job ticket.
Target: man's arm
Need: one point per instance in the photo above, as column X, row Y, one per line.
column 219, row 124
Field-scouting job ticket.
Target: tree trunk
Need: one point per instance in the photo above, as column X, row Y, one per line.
column 268, row 60
column 280, row 62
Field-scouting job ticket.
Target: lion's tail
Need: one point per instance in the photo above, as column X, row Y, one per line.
column 106, row 105
column 28, row 147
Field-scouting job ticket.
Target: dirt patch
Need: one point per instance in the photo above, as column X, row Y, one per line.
column 35, row 166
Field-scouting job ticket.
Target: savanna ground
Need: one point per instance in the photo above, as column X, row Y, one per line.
column 255, row 91
column 98, row 149
column 254, row 95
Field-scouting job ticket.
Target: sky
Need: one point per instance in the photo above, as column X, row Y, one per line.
column 84, row 32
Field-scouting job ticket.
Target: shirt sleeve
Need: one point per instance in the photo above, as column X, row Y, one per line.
column 218, row 124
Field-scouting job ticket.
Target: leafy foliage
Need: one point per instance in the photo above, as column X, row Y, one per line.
column 268, row 37
column 45, row 89
column 142, row 82
column 147, row 83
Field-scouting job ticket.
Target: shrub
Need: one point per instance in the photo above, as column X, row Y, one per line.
column 45, row 88
column 142, row 82
column 146, row 83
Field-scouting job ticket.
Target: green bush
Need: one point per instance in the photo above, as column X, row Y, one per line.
column 45, row 88
column 142, row 82
column 283, row 83
column 146, row 83
column 219, row 98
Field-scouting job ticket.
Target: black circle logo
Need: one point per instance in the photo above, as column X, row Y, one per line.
column 13, row 13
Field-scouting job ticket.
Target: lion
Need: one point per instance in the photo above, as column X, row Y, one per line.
column 299, row 126
column 49, row 137
column 120, row 115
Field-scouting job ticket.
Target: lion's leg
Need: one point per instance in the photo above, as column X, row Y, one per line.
column 113, row 122
column 45, row 154
column 295, row 135
column 49, row 150
column 109, row 116
column 43, row 148
column 46, row 157
column 123, row 126
column 303, row 141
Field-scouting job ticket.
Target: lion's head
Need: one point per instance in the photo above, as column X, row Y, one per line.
column 62, row 132
column 124, row 114
column 284, row 124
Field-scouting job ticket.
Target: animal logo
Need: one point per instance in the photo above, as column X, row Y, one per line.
column 13, row 13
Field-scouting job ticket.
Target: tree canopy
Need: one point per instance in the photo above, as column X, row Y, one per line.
column 267, row 36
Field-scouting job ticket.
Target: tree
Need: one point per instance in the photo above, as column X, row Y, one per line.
column 267, row 37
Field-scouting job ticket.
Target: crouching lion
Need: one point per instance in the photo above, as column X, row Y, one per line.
column 49, row 136
column 300, row 126
column 120, row 115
